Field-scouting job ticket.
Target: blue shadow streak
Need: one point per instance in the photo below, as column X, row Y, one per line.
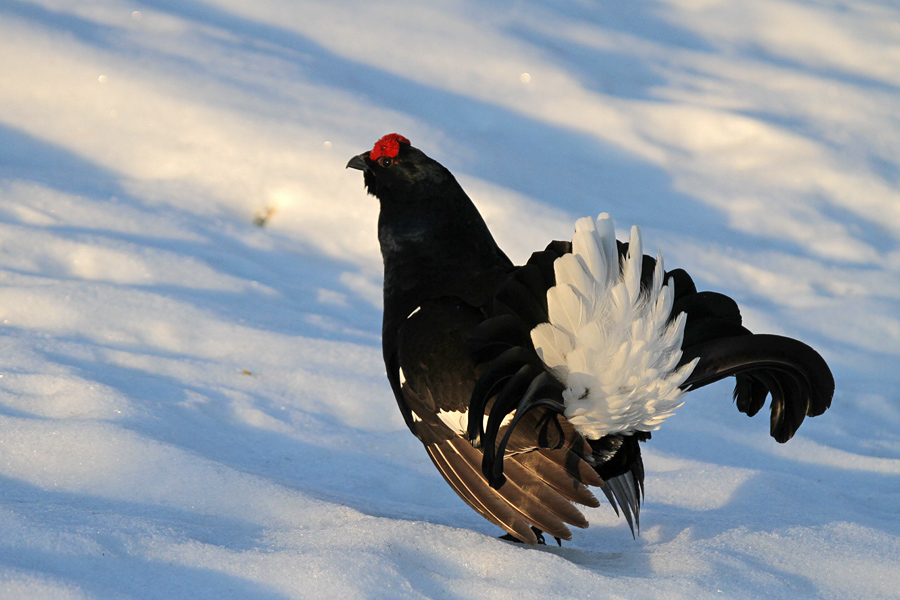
column 296, row 272
column 84, row 30
column 112, row 565
column 23, row 156
column 503, row 144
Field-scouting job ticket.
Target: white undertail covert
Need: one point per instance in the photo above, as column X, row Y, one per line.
column 608, row 341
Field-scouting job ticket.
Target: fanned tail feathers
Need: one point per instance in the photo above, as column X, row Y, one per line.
column 591, row 340
column 609, row 341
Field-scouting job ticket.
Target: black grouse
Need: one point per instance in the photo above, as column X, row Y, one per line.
column 527, row 384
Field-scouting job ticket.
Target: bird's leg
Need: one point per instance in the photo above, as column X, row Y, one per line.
column 537, row 533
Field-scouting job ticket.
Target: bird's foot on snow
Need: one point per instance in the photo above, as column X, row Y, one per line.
column 537, row 533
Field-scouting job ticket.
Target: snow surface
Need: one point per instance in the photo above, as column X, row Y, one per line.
column 194, row 406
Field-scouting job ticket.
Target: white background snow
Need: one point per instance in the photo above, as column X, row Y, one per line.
column 193, row 406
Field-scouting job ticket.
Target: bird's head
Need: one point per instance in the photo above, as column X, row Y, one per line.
column 395, row 170
column 433, row 240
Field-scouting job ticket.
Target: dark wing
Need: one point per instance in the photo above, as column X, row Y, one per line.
column 436, row 379
column 515, row 386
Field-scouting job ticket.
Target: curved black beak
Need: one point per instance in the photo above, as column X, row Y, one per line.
column 359, row 162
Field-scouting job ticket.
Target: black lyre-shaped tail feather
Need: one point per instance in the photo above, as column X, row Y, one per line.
column 793, row 374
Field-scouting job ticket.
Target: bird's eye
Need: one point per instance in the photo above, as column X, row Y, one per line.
column 385, row 161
